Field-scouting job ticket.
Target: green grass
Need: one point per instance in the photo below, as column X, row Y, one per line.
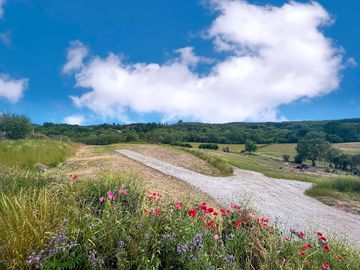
column 26, row 153
column 61, row 224
column 219, row 163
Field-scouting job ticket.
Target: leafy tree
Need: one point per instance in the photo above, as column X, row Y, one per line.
column 212, row 146
column 14, row 126
column 250, row 146
column 313, row 146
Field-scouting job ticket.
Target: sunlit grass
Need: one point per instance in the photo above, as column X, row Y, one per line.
column 25, row 153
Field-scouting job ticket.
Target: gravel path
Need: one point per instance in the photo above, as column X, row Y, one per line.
column 281, row 200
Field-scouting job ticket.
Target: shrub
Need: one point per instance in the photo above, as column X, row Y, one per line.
column 14, row 126
column 211, row 146
column 186, row 145
column 286, row 157
column 250, row 146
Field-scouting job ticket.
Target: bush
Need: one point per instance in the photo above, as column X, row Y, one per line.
column 186, row 145
column 286, row 157
column 211, row 146
column 299, row 159
column 14, row 126
column 250, row 146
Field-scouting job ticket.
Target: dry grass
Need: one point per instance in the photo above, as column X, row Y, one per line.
column 92, row 160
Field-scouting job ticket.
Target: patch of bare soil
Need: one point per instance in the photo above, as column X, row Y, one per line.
column 87, row 163
column 176, row 157
column 347, row 206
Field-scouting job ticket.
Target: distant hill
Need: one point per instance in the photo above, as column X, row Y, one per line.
column 336, row 131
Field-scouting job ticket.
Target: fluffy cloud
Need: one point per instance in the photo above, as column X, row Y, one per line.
column 75, row 55
column 275, row 56
column 10, row 89
column 74, row 120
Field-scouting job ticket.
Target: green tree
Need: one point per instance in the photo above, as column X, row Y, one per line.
column 250, row 146
column 286, row 157
column 14, row 126
column 313, row 146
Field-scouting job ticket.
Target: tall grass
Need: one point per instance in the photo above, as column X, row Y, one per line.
column 64, row 225
column 219, row 163
column 25, row 153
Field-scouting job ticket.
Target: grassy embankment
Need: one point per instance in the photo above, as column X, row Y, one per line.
column 268, row 160
column 26, row 153
column 79, row 224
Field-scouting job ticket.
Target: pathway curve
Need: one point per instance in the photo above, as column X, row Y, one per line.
column 278, row 199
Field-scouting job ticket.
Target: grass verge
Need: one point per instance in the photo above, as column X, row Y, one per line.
column 219, row 163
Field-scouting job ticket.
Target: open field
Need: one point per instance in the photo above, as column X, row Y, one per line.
column 119, row 214
column 25, row 153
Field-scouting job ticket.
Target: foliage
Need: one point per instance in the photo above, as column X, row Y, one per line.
column 250, row 146
column 14, row 126
column 187, row 145
column 211, row 146
column 230, row 133
column 313, row 147
column 25, row 153
column 286, row 157
column 111, row 223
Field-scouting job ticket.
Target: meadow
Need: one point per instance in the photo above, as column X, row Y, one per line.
column 112, row 221
column 26, row 153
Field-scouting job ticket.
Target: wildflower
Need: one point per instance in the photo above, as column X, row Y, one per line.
column 230, row 236
column 217, row 237
column 95, row 260
column 192, row 258
column 145, row 211
column 197, row 241
column 326, row 249
column 265, row 220
column 340, row 257
column 237, row 224
column 210, row 210
column 301, row 234
column 319, row 234
column 74, row 177
column 209, row 224
column 101, row 199
column 114, row 198
column 192, row 212
column 109, row 194
column 307, row 247
column 178, row 205
column 182, row 248
column 155, row 212
column 122, row 191
column 326, row 266
column 229, row 258
column 302, row 252
column 215, row 213
column 286, row 238
column 323, row 238
column 120, row 247
column 169, row 236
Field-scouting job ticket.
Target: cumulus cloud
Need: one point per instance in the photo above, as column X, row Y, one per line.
column 11, row 89
column 275, row 56
column 74, row 120
column 75, row 56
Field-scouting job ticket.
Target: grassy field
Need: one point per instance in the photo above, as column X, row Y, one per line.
column 25, row 153
column 111, row 222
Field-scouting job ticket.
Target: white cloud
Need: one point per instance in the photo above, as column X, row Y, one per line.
column 276, row 55
column 75, row 56
column 2, row 2
column 11, row 89
column 351, row 62
column 74, row 120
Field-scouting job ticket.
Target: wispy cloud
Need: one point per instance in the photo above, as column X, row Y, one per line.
column 276, row 55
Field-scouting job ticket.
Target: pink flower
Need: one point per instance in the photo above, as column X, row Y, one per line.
column 301, row 234
column 114, row 198
column 110, row 194
column 326, row 266
column 340, row 257
column 217, row 237
column 122, row 191
column 178, row 205
column 101, row 199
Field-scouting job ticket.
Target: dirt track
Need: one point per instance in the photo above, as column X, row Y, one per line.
column 280, row 200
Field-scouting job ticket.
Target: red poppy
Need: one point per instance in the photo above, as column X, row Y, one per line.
column 209, row 224
column 265, row 220
column 340, row 257
column 326, row 249
column 211, row 210
column 302, row 252
column 323, row 238
column 75, row 177
column 301, row 234
column 178, row 205
column 237, row 224
column 319, row 234
column 326, row 266
column 192, row 212
column 307, row 247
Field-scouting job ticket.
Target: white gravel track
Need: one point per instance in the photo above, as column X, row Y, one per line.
column 281, row 200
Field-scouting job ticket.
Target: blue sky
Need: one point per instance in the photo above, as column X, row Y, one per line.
column 37, row 37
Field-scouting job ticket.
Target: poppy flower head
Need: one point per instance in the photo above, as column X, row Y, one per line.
column 192, row 212
column 326, row 266
column 101, row 199
column 178, row 205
